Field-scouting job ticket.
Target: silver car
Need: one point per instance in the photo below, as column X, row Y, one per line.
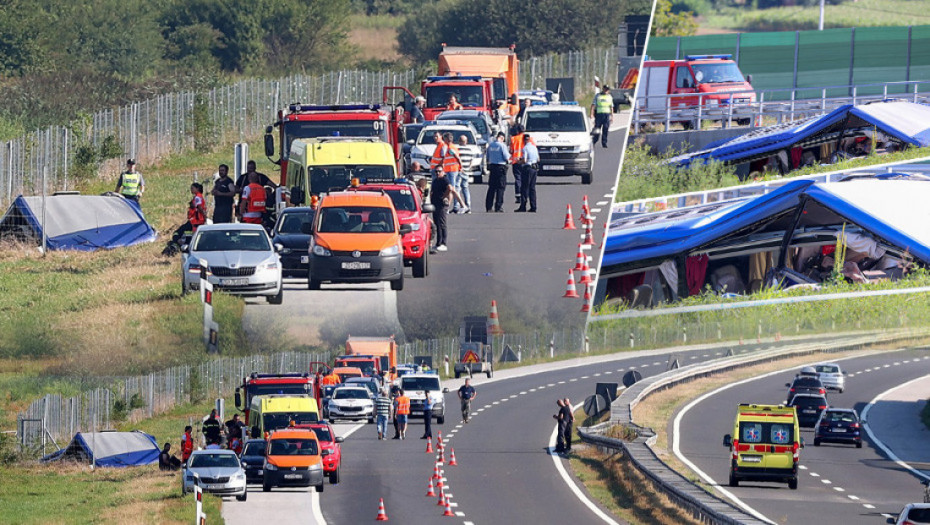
column 351, row 402
column 240, row 260
column 217, row 472
column 832, row 376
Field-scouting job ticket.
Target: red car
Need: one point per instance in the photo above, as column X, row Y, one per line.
column 413, row 211
column 332, row 462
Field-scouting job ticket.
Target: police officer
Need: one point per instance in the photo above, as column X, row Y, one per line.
column 130, row 183
column 530, row 168
column 601, row 110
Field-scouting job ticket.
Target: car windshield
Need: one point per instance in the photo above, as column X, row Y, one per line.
column 308, row 129
column 293, row 447
column 838, row 416
column 437, row 96
column 292, row 222
column 419, row 383
column 356, row 219
column 324, row 179
column 254, row 449
column 717, row 73
column 478, row 122
column 351, row 393
column 412, row 130
column 323, row 434
column 402, row 199
column 772, row 433
column 279, row 420
column 915, row 515
column 370, row 385
column 808, row 401
column 427, row 137
column 214, row 460
column 827, row 369
column 555, row 121
column 231, row 240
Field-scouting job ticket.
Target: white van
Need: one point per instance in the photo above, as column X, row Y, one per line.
column 415, row 386
column 562, row 134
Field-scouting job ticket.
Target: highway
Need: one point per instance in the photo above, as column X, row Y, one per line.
column 838, row 483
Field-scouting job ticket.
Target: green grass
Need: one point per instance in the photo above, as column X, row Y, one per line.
column 857, row 13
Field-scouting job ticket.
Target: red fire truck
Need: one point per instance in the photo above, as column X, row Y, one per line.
column 266, row 384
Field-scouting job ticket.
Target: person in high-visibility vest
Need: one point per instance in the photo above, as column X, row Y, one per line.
column 446, row 158
column 196, row 216
column 130, row 183
column 453, row 103
column 601, row 110
column 187, row 443
column 252, row 203
column 517, row 139
column 401, row 413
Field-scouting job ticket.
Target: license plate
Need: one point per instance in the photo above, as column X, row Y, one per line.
column 839, row 430
column 233, row 282
column 261, row 472
column 292, row 476
column 214, row 487
column 752, row 459
column 809, row 411
column 356, row 265
column 304, row 259
column 554, row 168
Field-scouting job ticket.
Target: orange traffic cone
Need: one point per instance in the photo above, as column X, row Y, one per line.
column 448, row 511
column 570, row 290
column 494, row 326
column 442, row 497
column 436, row 474
column 586, row 276
column 382, row 516
column 586, row 307
column 585, row 209
column 452, row 461
column 431, row 492
column 429, row 446
column 441, row 458
column 588, row 236
column 439, row 484
column 569, row 221
column 579, row 258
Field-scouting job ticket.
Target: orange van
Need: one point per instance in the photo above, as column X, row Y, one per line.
column 293, row 458
column 356, row 238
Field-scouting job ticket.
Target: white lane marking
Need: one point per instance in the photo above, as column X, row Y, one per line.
column 561, row 382
column 352, row 430
column 571, row 483
column 816, row 475
column 480, row 410
column 854, row 498
column 453, row 504
column 600, row 203
column 488, row 405
column 514, row 395
column 704, row 355
column 553, row 384
column 906, row 361
column 458, row 426
column 496, row 403
column 866, row 505
column 802, row 467
column 877, row 442
column 599, row 374
column 607, row 373
column 453, row 431
column 504, row 400
column 839, row 489
column 523, row 393
column 644, row 366
column 657, row 363
column 887, row 366
column 595, row 210
column 896, row 363
column 826, row 482
column 585, row 377
column 532, row 390
column 468, row 523
column 572, row 380
column 620, row 369
column 460, row 514
column 316, row 510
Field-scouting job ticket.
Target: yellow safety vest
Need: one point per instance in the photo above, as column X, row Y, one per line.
column 131, row 184
column 603, row 103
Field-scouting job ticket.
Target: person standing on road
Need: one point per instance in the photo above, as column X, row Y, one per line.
column 466, row 394
column 601, row 110
column 131, row 184
column 252, row 203
column 569, row 418
column 382, row 412
column 224, row 191
column 498, row 159
column 530, row 163
column 402, row 412
column 211, row 429
column 462, row 181
column 395, row 391
column 441, row 195
column 517, row 139
column 560, row 432
column 427, row 417
column 187, row 443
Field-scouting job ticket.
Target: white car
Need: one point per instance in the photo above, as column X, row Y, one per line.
column 217, row 472
column 415, row 386
column 562, row 134
column 915, row 513
column 832, row 376
column 351, row 402
column 240, row 260
column 473, row 161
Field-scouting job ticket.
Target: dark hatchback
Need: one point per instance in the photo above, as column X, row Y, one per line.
column 253, row 460
column 838, row 425
column 809, row 407
column 805, row 385
column 293, row 232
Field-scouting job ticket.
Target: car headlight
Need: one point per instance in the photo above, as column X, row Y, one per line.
column 585, row 147
column 317, row 466
column 269, row 265
column 286, row 250
column 390, row 250
column 239, row 477
column 320, row 251
column 415, row 226
column 270, row 466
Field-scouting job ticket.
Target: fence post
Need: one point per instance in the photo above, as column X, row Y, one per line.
column 852, row 58
column 797, row 45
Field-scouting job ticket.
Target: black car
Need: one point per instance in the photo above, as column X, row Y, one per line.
column 809, row 407
column 253, row 460
column 838, row 425
column 293, row 232
column 805, row 385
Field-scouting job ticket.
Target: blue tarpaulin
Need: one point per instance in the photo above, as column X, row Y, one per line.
column 109, row 449
column 77, row 222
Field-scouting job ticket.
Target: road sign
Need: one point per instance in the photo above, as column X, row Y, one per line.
column 470, row 357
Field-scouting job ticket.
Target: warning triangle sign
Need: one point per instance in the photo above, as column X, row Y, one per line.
column 470, row 357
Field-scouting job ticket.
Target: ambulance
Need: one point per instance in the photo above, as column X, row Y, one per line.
column 765, row 445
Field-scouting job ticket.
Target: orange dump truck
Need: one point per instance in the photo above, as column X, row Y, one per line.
column 365, row 352
column 498, row 64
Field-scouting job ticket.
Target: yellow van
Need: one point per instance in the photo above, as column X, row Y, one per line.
column 765, row 445
column 319, row 166
column 273, row 412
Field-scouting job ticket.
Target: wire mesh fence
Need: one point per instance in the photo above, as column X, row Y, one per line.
column 173, row 123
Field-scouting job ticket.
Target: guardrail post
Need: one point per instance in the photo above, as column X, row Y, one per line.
column 551, row 348
column 201, row 517
column 700, row 111
column 854, row 90
column 668, row 115
column 730, row 112
column 632, row 340
column 684, row 334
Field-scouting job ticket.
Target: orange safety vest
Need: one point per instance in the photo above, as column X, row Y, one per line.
column 187, row 446
column 403, row 405
column 331, row 379
column 196, row 214
column 256, row 202
column 516, row 146
column 450, row 107
column 448, row 162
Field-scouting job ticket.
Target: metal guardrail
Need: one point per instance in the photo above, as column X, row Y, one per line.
column 701, row 503
column 784, row 105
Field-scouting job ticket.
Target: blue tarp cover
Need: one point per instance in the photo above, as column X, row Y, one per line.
column 110, row 449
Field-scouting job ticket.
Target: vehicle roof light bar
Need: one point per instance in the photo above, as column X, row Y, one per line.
column 335, row 107
column 469, row 78
column 725, row 56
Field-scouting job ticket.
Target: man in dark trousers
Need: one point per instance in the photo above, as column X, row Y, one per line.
column 211, row 428
column 601, row 110
column 530, row 167
column 440, row 195
column 569, row 417
column 166, row 461
column 560, row 433
column 224, row 191
column 498, row 159
column 427, row 417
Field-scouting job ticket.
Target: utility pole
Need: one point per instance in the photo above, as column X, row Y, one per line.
column 820, row 26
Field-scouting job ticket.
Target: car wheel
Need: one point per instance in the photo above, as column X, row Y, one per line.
column 398, row 284
column 841, row 391
column 734, row 482
column 490, row 373
column 441, row 419
column 587, row 177
column 266, row 486
column 278, row 298
column 319, row 488
column 243, row 496
column 421, row 265
column 858, row 444
column 457, row 375
column 816, row 442
column 793, row 483
column 334, row 477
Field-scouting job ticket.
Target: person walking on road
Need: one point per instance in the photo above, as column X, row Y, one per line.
column 462, row 181
column 560, row 432
column 224, row 192
column 530, row 168
column 382, row 413
column 601, row 110
column 441, row 195
column 569, row 418
column 427, row 417
column 498, row 159
column 211, row 429
column 402, row 412
column 187, row 443
column 395, row 391
column 131, row 184
column 466, row 394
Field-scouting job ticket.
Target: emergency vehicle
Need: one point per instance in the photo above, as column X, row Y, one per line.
column 322, row 165
column 765, row 445
column 267, row 384
column 273, row 412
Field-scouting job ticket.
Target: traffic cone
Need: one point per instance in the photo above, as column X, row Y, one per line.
column 382, row 516
column 448, row 511
column 588, row 236
column 452, row 462
column 579, row 258
column 570, row 290
column 431, row 492
column 439, row 484
column 585, row 209
column 442, row 497
column 441, row 458
column 436, row 474
column 429, row 446
column 569, row 221
column 586, row 307
column 494, row 324
column 586, row 276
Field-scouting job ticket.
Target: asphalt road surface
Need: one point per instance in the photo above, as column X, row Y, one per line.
column 838, row 483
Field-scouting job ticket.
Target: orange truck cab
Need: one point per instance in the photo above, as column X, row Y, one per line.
column 293, row 458
column 346, row 372
column 472, row 92
column 357, row 238
column 497, row 64
column 706, row 80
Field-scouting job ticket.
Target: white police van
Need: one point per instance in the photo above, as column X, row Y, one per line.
column 562, row 133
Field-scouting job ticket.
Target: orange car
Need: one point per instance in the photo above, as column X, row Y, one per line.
column 356, row 238
column 293, row 458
